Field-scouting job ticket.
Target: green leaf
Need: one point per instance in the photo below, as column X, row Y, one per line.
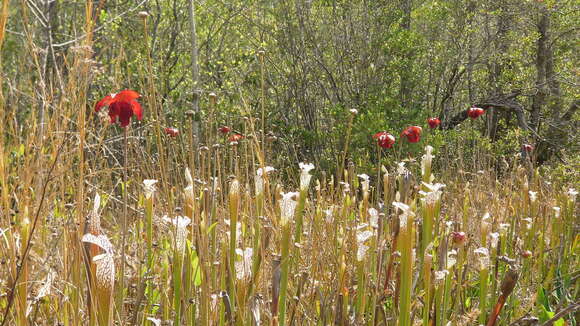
column 195, row 267
column 211, row 227
column 543, row 300
column 546, row 315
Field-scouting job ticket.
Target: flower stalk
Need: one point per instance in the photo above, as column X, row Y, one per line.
column 287, row 208
column 406, row 218
column 234, row 200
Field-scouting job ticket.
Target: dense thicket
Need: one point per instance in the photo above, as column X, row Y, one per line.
column 396, row 62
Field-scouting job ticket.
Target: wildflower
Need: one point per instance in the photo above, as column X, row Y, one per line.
column 244, row 266
column 214, row 184
column 267, row 169
column 384, row 139
column 235, row 138
column 259, row 179
column 149, row 187
column 448, row 225
column 494, row 239
column 188, row 177
column 361, row 238
column 105, row 273
column 94, row 222
column 526, row 254
column 451, row 258
column 406, row 212
column 572, row 193
column 433, row 122
column 353, row 111
column 528, row 222
column 504, row 227
column 361, row 252
column 413, row 134
column 47, row 285
column 122, row 106
column 533, row 196
column 459, row 238
column 475, row 113
column 426, row 160
column 365, row 182
column 485, row 225
column 172, row 132
column 287, row 206
column 527, row 148
column 556, row 211
column 483, row 257
column 345, row 187
column 155, row 321
column 434, row 194
column 329, row 214
column 224, row 129
column 234, row 189
column 439, row 276
column 305, row 175
column 401, row 169
column 373, row 217
column 188, row 190
column 43, row 291
column 180, row 223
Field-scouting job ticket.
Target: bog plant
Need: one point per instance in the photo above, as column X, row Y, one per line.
column 206, row 229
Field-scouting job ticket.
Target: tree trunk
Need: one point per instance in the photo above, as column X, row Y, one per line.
column 501, row 48
column 541, row 58
column 548, row 93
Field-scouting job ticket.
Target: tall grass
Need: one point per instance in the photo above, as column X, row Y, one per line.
column 230, row 242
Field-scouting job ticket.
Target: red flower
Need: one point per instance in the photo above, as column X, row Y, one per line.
column 433, row 122
column 527, row 148
column 224, row 130
column 459, row 238
column 384, row 139
column 172, row 132
column 122, row 106
column 235, row 138
column 413, row 134
column 475, row 113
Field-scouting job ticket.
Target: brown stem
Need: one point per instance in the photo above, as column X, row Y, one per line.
column 496, row 310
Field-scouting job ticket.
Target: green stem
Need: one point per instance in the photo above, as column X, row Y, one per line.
column 483, row 280
column 406, row 273
column 284, row 273
column 177, row 267
column 121, row 293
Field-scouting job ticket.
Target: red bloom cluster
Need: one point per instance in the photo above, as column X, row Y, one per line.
column 433, row 122
column 475, row 113
column 172, row 132
column 412, row 133
column 224, row 129
column 122, row 106
column 527, row 148
column 235, row 138
column 384, row 139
